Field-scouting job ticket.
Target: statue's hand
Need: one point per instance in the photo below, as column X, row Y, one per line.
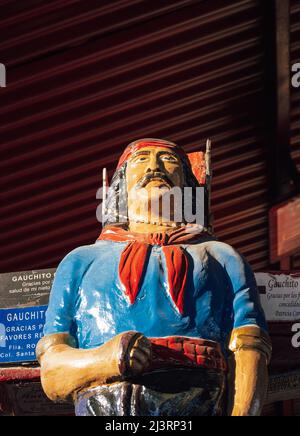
column 135, row 354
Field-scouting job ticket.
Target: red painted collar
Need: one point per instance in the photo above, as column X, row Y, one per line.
column 134, row 258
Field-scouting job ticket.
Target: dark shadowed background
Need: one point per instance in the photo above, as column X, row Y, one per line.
column 84, row 78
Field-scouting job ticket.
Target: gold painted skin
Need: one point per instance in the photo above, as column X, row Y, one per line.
column 66, row 370
column 248, row 378
column 150, row 159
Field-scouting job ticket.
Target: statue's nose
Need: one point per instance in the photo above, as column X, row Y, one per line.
column 154, row 163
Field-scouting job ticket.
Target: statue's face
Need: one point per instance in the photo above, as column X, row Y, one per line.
column 153, row 167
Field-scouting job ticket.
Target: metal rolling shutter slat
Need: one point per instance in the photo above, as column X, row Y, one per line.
column 184, row 72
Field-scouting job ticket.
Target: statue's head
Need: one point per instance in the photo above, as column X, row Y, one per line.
column 148, row 167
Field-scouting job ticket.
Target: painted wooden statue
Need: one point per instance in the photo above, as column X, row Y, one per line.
column 157, row 318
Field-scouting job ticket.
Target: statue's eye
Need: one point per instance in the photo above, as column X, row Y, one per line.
column 168, row 158
column 140, row 159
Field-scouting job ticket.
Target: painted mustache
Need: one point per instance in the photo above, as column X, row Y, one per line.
column 153, row 176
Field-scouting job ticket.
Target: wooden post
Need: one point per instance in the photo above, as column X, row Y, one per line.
column 286, row 264
column 288, row 408
column 283, row 174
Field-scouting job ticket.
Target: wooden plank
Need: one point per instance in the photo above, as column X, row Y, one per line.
column 286, row 263
column 19, row 373
column 284, row 387
column 288, row 408
column 27, row 398
column 284, row 230
column 285, row 357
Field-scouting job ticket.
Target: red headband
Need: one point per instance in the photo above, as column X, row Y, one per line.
column 137, row 145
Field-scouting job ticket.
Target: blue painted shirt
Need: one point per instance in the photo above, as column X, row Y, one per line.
column 87, row 299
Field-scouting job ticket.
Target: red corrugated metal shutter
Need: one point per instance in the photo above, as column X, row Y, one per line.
column 85, row 78
column 295, row 58
column 295, row 104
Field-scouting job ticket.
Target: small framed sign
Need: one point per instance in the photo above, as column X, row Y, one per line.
column 280, row 295
column 24, row 298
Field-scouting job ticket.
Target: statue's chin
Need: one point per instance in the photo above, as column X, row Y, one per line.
column 152, row 191
column 156, row 189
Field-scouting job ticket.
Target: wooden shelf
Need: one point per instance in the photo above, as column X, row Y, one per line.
column 19, row 373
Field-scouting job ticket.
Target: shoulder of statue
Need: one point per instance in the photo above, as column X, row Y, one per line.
column 79, row 258
column 220, row 251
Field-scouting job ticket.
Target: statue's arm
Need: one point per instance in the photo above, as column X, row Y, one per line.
column 65, row 370
column 251, row 349
column 250, row 342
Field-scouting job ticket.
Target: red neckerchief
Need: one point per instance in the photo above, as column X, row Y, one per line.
column 135, row 256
